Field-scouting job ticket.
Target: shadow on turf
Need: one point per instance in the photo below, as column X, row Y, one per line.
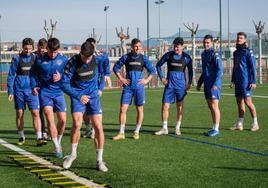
column 243, row 169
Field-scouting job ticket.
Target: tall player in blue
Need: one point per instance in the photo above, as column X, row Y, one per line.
column 211, row 77
column 18, row 82
column 45, row 81
column 175, row 83
column 83, row 80
column 244, row 80
column 133, row 84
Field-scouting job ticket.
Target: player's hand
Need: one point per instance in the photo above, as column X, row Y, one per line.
column 56, row 76
column 214, row 88
column 84, row 99
column 164, row 81
column 108, row 80
column 198, row 88
column 35, row 91
column 10, row 98
column 188, row 86
column 143, row 81
column 125, row 81
column 252, row 86
column 231, row 85
column 100, row 93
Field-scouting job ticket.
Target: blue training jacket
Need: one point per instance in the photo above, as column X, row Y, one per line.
column 104, row 59
column 176, row 65
column 18, row 76
column 244, row 70
column 42, row 73
column 82, row 79
column 134, row 64
column 211, row 69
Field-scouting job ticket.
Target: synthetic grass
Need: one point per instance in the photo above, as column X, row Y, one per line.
column 191, row 160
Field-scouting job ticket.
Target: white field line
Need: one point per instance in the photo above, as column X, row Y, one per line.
column 42, row 161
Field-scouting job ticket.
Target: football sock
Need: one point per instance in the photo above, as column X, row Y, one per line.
column 165, row 125
column 138, row 127
column 178, row 126
column 99, row 153
column 122, row 128
column 74, row 149
column 21, row 133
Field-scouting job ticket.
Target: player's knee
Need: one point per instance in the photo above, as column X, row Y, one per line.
column 165, row 107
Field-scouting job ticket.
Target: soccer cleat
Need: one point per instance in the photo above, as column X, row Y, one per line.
column 254, row 127
column 136, row 136
column 237, row 127
column 40, row 142
column 59, row 154
column 161, row 132
column 101, row 166
column 87, row 133
column 212, row 133
column 67, row 163
column 178, row 132
column 21, row 141
column 120, row 136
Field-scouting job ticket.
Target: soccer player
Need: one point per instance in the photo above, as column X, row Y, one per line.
column 46, row 74
column 211, row 77
column 18, row 82
column 83, row 81
column 244, row 80
column 133, row 84
column 104, row 59
column 41, row 49
column 175, row 83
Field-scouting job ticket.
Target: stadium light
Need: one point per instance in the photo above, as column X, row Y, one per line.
column 159, row 2
column 105, row 10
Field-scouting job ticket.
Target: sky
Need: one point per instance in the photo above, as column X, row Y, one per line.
column 77, row 18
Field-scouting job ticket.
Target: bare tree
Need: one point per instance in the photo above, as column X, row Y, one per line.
column 52, row 30
column 193, row 29
column 259, row 29
column 123, row 37
column 94, row 36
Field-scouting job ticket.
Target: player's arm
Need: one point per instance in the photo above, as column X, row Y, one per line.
column 117, row 68
column 159, row 64
column 151, row 70
column 218, row 63
column 200, row 82
column 101, row 73
column 233, row 76
column 34, row 78
column 106, row 69
column 189, row 65
column 252, row 65
column 65, row 82
column 11, row 77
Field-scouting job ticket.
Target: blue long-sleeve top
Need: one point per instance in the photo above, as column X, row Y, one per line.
column 82, row 78
column 134, row 64
column 244, row 70
column 104, row 59
column 18, row 76
column 211, row 69
column 42, row 73
column 176, row 65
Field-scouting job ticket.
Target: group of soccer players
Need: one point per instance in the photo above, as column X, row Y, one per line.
column 43, row 78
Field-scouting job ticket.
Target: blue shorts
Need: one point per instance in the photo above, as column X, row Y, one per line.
column 56, row 101
column 137, row 94
column 91, row 108
column 170, row 94
column 21, row 98
column 213, row 94
column 243, row 92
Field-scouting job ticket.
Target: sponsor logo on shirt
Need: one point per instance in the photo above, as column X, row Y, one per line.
column 86, row 73
column 44, row 62
column 176, row 64
column 25, row 68
column 59, row 62
column 135, row 63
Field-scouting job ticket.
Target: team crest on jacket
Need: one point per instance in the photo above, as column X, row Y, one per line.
column 44, row 62
column 59, row 62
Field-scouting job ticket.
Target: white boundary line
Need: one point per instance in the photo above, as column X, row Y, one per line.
column 42, row 161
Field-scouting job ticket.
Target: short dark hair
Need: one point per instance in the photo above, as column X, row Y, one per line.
column 208, row 37
column 91, row 40
column 42, row 42
column 135, row 41
column 178, row 41
column 243, row 34
column 53, row 44
column 87, row 49
column 27, row 41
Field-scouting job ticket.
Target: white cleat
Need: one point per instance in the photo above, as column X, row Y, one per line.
column 254, row 127
column 178, row 132
column 161, row 132
column 67, row 163
column 101, row 166
column 237, row 127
